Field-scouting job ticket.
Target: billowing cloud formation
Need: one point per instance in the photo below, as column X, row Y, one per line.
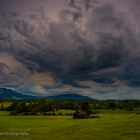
column 92, row 48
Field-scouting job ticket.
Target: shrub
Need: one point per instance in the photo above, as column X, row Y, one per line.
column 69, row 114
column 33, row 112
column 130, row 109
column 54, row 114
column 26, row 113
column 138, row 113
column 44, row 113
column 94, row 112
column 49, row 113
column 80, row 115
column 60, row 113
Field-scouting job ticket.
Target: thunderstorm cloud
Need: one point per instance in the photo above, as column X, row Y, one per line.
column 88, row 47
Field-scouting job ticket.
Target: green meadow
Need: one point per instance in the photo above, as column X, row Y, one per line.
column 112, row 125
column 5, row 103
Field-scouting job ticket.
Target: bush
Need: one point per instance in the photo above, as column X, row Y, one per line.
column 130, row 109
column 54, row 114
column 138, row 113
column 44, row 113
column 33, row 112
column 94, row 112
column 49, row 113
column 80, row 115
column 60, row 113
column 69, row 114
column 26, row 113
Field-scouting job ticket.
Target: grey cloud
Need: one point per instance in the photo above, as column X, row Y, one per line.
column 98, row 44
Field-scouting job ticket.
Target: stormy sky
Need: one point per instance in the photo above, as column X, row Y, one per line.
column 89, row 47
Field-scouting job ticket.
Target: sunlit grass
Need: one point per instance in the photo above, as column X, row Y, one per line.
column 5, row 103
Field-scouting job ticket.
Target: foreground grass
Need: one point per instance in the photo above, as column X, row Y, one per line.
column 113, row 125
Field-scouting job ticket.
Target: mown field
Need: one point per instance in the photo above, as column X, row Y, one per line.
column 113, row 125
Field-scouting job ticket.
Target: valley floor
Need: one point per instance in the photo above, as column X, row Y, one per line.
column 113, row 125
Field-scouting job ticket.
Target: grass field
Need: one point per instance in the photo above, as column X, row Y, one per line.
column 5, row 103
column 113, row 125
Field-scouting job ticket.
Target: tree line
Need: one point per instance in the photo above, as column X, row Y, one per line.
column 83, row 108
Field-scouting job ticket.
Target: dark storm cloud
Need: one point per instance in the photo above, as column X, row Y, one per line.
column 91, row 41
column 132, row 71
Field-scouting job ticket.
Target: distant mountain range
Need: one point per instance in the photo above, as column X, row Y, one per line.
column 69, row 96
column 8, row 94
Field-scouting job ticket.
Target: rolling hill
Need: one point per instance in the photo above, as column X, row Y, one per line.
column 69, row 96
column 8, row 94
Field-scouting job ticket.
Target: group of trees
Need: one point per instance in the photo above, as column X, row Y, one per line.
column 118, row 104
column 49, row 107
column 32, row 107
column 83, row 112
column 83, row 109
